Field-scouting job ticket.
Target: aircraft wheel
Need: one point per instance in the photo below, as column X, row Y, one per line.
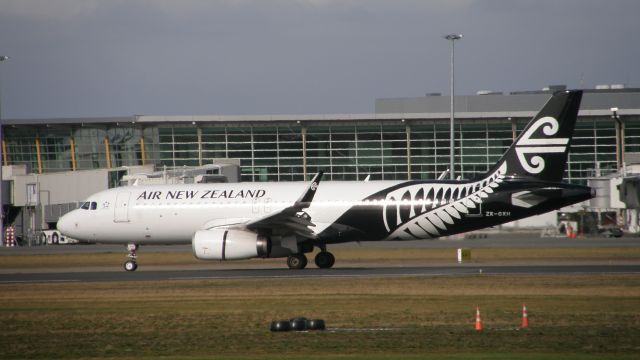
column 130, row 265
column 297, row 261
column 42, row 239
column 325, row 260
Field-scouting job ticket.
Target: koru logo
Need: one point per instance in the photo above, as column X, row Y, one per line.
column 527, row 145
column 314, row 186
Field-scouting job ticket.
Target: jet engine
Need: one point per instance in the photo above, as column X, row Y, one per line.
column 229, row 244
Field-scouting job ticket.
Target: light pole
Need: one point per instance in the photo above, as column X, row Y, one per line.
column 2, row 59
column 452, row 38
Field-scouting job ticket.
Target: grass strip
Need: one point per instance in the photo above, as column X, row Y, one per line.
column 570, row 316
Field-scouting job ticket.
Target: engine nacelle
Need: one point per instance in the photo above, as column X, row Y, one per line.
column 229, row 244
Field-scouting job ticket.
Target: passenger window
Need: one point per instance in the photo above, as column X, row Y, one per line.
column 85, row 206
column 94, row 205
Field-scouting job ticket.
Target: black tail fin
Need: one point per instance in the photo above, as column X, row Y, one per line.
column 540, row 151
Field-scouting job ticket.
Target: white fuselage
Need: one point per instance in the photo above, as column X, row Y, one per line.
column 171, row 214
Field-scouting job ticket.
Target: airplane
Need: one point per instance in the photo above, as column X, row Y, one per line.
column 235, row 221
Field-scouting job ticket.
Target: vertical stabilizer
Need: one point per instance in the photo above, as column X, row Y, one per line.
column 540, row 151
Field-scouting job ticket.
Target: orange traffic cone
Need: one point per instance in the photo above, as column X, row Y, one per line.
column 525, row 317
column 478, row 320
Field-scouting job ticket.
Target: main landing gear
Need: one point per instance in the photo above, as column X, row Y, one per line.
column 323, row 260
column 297, row 261
column 131, row 264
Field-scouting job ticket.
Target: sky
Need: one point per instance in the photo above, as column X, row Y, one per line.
column 95, row 58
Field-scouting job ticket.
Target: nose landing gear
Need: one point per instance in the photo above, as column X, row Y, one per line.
column 131, row 264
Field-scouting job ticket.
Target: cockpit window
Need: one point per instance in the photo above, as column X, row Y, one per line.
column 89, row 205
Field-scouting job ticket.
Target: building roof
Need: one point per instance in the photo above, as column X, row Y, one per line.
column 603, row 100
column 491, row 105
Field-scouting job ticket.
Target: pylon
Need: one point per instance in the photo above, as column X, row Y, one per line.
column 478, row 320
column 525, row 317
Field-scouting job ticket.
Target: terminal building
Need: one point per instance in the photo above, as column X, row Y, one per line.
column 405, row 138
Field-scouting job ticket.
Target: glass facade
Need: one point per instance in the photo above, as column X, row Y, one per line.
column 632, row 134
column 286, row 151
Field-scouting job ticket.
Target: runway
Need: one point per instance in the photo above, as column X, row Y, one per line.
column 369, row 270
column 492, row 240
column 355, row 272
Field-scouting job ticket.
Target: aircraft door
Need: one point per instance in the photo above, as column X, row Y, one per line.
column 256, row 206
column 267, row 205
column 121, row 212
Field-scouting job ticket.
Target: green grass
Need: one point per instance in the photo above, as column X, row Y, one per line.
column 432, row 318
column 461, row 356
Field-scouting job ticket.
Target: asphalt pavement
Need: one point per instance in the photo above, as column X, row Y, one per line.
column 349, row 272
column 477, row 241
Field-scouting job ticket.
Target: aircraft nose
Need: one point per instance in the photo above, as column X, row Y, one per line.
column 65, row 225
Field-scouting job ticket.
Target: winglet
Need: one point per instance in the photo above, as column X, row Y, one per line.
column 308, row 195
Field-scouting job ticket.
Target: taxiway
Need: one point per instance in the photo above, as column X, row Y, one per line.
column 353, row 272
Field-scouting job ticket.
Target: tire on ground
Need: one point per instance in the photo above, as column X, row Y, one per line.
column 316, row 324
column 280, row 326
column 299, row 324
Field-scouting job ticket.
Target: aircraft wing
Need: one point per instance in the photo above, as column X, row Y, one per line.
column 291, row 219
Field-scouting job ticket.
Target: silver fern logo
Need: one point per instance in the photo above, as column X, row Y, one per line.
column 527, row 145
column 428, row 210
